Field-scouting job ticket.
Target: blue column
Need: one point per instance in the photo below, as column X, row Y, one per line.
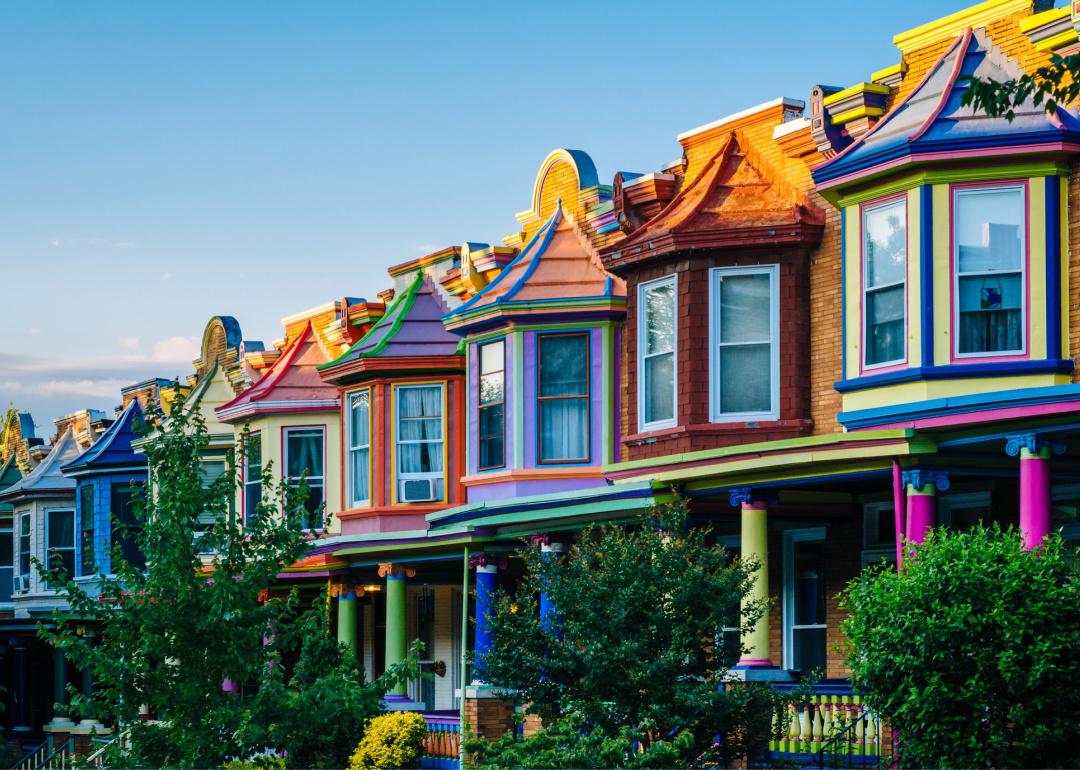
column 548, row 550
column 487, row 578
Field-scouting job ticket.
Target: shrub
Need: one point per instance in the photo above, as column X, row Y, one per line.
column 265, row 761
column 970, row 651
column 393, row 740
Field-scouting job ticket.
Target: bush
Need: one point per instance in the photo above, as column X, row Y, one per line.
column 392, row 740
column 264, row 761
column 970, row 651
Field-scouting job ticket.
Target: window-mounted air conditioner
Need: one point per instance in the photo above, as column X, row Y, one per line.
column 417, row 490
column 22, row 583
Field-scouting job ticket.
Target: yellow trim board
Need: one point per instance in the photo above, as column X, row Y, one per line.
column 952, row 25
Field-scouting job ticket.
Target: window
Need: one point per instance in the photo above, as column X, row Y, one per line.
column 125, row 526
column 884, row 283
column 745, row 353
column 989, row 237
column 804, row 599
column 6, row 564
column 657, row 330
column 879, row 533
column 24, row 549
column 360, row 448
column 964, row 510
column 210, row 471
column 563, row 396
column 731, row 635
column 253, row 469
column 304, row 460
column 60, row 539
column 87, row 561
column 419, row 438
column 492, row 413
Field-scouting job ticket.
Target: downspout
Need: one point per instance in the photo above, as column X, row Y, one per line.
column 464, row 652
column 898, row 511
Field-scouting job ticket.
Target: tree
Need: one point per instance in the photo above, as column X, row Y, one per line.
column 1054, row 84
column 970, row 651
column 170, row 635
column 634, row 645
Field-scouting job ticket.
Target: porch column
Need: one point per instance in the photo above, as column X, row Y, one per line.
column 487, row 578
column 396, row 647
column 60, row 695
column 346, row 617
column 549, row 549
column 1036, row 511
column 755, row 546
column 22, row 696
column 922, row 488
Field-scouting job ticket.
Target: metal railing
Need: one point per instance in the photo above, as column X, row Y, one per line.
column 45, row 757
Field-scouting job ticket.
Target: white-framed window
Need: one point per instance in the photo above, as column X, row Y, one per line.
column 964, row 510
column 420, row 446
column 884, row 244
column 305, row 458
column 804, row 599
column 989, row 230
column 491, row 408
column 253, row 470
column 7, row 564
column 211, row 470
column 731, row 635
column 745, row 351
column 60, row 539
column 879, row 533
column 657, row 353
column 24, row 551
column 359, row 459
column 563, row 397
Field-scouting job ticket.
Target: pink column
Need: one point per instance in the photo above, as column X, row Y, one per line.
column 1035, row 506
column 922, row 489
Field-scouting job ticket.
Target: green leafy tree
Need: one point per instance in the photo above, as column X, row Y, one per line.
column 970, row 652
column 634, row 649
column 1054, row 84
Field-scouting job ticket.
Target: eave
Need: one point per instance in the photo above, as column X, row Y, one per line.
column 361, row 368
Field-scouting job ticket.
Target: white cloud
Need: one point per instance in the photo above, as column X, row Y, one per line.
column 95, row 388
column 175, row 349
column 130, row 343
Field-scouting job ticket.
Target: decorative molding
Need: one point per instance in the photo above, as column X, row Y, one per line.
column 952, row 25
column 487, row 560
column 392, row 570
column 338, row 589
column 740, row 495
column 918, row 478
column 1032, row 442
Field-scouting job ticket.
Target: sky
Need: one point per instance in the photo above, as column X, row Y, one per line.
column 164, row 162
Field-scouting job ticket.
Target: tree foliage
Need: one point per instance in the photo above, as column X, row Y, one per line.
column 1054, row 84
column 634, row 648
column 970, row 651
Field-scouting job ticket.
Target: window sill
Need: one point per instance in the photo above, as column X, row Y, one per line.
column 957, row 371
column 718, row 429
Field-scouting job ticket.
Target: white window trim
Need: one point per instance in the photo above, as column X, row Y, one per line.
column 74, row 548
column 642, row 336
column 352, row 447
column 312, row 481
column 399, row 475
column 790, row 538
column 1025, row 235
column 865, row 289
column 773, row 271
column 23, row 584
column 254, row 436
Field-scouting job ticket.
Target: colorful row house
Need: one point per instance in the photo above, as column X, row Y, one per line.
column 828, row 329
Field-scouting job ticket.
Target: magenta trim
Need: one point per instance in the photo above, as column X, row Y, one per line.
column 921, row 517
column 947, row 90
column 754, row 663
column 903, row 364
column 1036, row 410
column 1035, row 506
column 898, row 511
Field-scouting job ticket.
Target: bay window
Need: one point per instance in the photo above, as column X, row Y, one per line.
column 491, row 408
column 6, row 565
column 359, row 460
column 884, row 283
column 125, row 525
column 60, row 540
column 657, row 329
column 305, row 461
column 563, row 396
column 253, row 469
column 745, row 352
column 989, row 237
column 420, row 443
column 24, row 550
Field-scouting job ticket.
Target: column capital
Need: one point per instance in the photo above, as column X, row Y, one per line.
column 346, row 590
column 487, row 560
column 918, row 478
column 395, row 571
column 546, row 542
column 745, row 497
column 1032, row 442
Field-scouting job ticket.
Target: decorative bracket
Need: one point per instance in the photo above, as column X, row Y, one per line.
column 918, row 478
column 740, row 495
column 337, row 589
column 389, row 569
column 487, row 560
column 1032, row 442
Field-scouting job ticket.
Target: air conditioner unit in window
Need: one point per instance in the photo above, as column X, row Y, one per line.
column 22, row 583
column 417, row 490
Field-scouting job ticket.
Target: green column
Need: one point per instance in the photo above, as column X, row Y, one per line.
column 346, row 618
column 395, row 622
column 755, row 546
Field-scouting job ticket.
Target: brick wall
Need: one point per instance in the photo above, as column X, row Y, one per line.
column 489, row 717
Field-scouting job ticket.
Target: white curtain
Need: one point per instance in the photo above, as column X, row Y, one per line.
column 420, row 446
column 360, row 447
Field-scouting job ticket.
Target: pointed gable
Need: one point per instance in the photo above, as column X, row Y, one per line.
column 113, row 449
column 292, row 383
column 736, row 201
column 559, row 265
column 932, row 124
column 46, row 479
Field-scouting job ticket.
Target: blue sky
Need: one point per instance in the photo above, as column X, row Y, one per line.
column 162, row 162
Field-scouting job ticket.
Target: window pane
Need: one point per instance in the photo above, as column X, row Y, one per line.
column 745, row 311
column 304, row 451
column 885, row 325
column 420, row 458
column 491, row 420
column 358, row 473
column 660, row 319
column 564, row 363
column 492, row 453
column 420, row 402
column 988, row 230
column 491, row 388
column 809, row 582
column 6, row 553
column 660, row 387
column 885, row 244
column 492, row 357
column 564, row 429
column 359, row 419
column 125, row 526
column 991, row 318
column 745, row 379
column 61, row 529
column 809, row 648
column 88, row 561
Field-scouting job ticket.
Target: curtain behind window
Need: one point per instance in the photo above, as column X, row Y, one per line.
column 564, row 401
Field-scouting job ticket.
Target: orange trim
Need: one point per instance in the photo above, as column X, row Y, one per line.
column 533, row 474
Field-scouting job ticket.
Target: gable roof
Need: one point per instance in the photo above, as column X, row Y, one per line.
column 113, row 449
column 558, row 271
column 46, row 479
column 292, row 383
column 931, row 124
column 736, row 201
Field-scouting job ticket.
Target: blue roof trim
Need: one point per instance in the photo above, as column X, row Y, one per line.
column 957, row 372
column 118, row 433
column 979, row 402
column 586, row 169
column 538, row 502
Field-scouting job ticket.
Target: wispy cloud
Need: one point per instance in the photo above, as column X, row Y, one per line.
column 175, row 349
column 129, row 343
